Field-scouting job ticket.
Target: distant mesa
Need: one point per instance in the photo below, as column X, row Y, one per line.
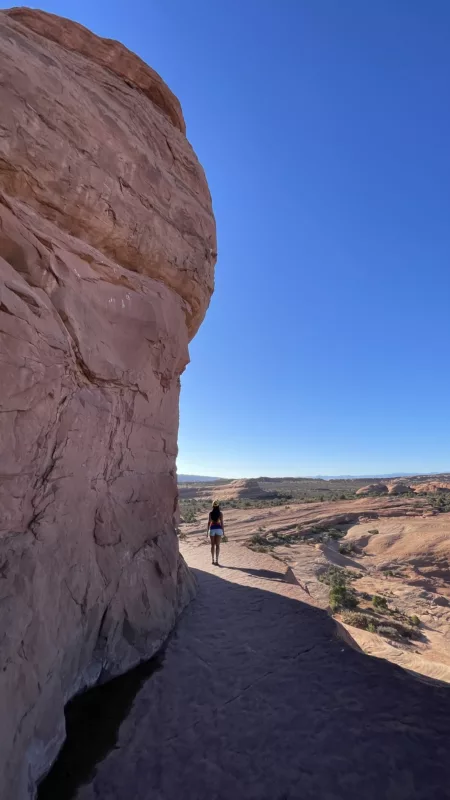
column 373, row 490
column 244, row 489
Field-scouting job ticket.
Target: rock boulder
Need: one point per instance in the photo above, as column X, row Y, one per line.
column 399, row 488
column 372, row 490
column 107, row 252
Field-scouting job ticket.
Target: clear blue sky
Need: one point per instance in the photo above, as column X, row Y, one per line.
column 324, row 130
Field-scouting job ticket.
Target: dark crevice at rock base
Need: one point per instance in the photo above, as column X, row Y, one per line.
column 93, row 719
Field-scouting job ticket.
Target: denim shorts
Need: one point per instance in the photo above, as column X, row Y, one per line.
column 215, row 531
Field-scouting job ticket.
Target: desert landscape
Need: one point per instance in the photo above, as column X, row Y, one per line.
column 313, row 660
column 378, row 560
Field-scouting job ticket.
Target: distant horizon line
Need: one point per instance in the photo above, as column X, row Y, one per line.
column 184, row 476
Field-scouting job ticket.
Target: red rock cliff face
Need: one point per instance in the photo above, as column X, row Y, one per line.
column 107, row 252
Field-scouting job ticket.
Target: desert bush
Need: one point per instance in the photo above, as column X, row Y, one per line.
column 357, row 619
column 379, row 602
column 440, row 501
column 347, row 548
column 415, row 620
column 341, row 597
column 182, row 535
column 258, row 540
column 338, row 576
column 374, row 532
column 189, row 515
column 335, row 533
column 388, row 631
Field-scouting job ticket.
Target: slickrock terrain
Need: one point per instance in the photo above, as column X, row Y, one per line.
column 258, row 699
column 373, row 489
column 396, row 548
column 107, row 252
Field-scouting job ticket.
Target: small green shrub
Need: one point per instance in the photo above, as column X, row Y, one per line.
column 374, row 532
column 256, row 539
column 379, row 602
column 338, row 576
column 356, row 619
column 190, row 515
column 341, row 597
column 347, row 548
column 415, row 620
column 335, row 533
column 388, row 631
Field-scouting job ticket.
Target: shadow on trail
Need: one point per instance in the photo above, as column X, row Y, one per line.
column 93, row 719
column 267, row 574
column 258, row 698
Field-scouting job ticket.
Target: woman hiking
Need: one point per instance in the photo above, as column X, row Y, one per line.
column 215, row 530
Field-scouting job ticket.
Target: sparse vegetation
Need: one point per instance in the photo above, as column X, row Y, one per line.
column 189, row 515
column 440, row 501
column 373, row 623
column 374, row 531
column 388, row 631
column 358, row 620
column 342, row 597
column 415, row 620
column 391, row 573
column 347, row 548
column 379, row 602
column 319, row 534
column 256, row 539
column 269, row 540
column 336, row 575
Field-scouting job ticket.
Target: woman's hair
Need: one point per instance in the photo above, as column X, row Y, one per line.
column 215, row 513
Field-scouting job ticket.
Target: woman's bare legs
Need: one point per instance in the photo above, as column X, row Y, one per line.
column 215, row 548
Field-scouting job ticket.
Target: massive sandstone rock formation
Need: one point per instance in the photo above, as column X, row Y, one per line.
column 107, row 252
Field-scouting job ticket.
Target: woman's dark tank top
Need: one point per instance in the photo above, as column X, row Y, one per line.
column 215, row 515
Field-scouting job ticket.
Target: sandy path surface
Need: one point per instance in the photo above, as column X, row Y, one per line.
column 257, row 698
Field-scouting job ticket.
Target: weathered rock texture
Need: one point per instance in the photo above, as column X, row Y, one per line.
column 433, row 487
column 399, row 488
column 373, row 489
column 107, row 251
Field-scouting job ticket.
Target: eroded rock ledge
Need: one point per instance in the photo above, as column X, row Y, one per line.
column 107, row 252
